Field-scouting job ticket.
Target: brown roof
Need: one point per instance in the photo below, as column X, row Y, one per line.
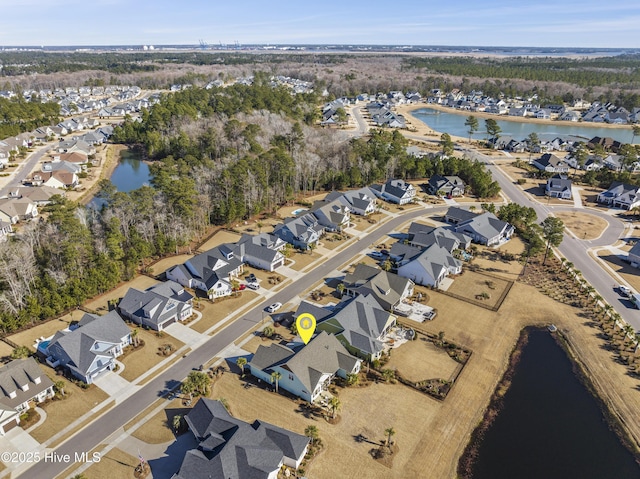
column 74, row 157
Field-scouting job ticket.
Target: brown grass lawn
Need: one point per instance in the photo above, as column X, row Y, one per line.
column 488, row 259
column 262, row 275
column 589, row 195
column 583, row 225
column 29, row 336
column 166, row 263
column 219, row 238
column 394, row 208
column 5, row 351
column 139, row 361
column 116, row 463
column 159, row 429
column 303, row 260
column 433, row 439
column 629, row 274
column 62, row 413
column 330, row 243
column 420, row 360
column 100, row 303
column 362, row 223
column 216, row 312
column 469, row 284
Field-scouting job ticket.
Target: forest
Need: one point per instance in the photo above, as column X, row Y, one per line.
column 18, row 115
column 217, row 156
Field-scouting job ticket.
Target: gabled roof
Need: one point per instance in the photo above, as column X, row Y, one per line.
column 157, row 304
column 435, row 259
column 322, row 355
column 387, row 288
column 460, row 215
column 213, row 265
column 233, row 449
column 635, row 250
column 486, row 225
column 264, row 246
column 77, row 344
column 19, row 373
column 559, row 183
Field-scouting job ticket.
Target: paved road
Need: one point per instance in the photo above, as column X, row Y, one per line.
column 575, row 250
column 363, row 127
column 25, row 169
column 90, row 437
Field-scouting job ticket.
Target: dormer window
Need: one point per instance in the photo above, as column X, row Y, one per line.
column 25, row 387
column 12, row 394
column 37, row 380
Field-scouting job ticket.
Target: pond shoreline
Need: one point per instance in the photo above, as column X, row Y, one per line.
column 614, row 421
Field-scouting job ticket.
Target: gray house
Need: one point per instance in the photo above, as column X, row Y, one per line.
column 306, row 371
column 333, row 215
column 395, row 191
column 446, row 185
column 158, row 306
column 634, row 255
column 360, row 202
column 300, row 232
column 22, row 383
column 387, row 288
column 261, row 251
column 423, row 236
column 484, row 228
column 551, row 164
column 430, row 266
column 210, row 272
column 621, row 195
column 558, row 186
column 232, row 449
column 91, row 347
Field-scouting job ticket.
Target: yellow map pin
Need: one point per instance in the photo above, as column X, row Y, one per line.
column 306, row 325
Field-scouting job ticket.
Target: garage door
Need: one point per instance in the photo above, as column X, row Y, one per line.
column 171, row 321
column 10, row 425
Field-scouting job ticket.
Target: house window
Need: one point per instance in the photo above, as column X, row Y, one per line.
column 290, row 377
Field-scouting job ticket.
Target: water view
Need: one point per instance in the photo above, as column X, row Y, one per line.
column 454, row 125
column 130, row 174
column 550, row 426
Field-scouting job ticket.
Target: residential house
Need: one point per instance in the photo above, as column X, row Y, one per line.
column 22, row 384
column 569, row 115
column 59, row 179
column 333, row 215
column 40, row 196
column 302, row 232
column 634, row 255
column 360, row 202
column 430, row 266
column 5, row 230
column 13, row 210
column 606, row 142
column 456, row 215
column 558, row 186
column 263, row 251
column 90, row 348
column 485, row 229
column 69, row 146
column 387, row 288
column 551, row 164
column 210, row 272
column 396, row 191
column 620, row 195
column 233, row 449
column 446, row 185
column 306, row 370
column 423, row 236
column 361, row 325
column 158, row 306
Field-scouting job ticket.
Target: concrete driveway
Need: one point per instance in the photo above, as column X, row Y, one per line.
column 183, row 333
column 112, row 383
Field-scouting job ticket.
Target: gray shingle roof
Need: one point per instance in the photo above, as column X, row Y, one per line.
column 19, row 373
column 386, row 287
column 157, row 304
column 233, row 449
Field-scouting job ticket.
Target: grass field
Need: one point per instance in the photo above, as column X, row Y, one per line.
column 471, row 285
column 159, row 429
column 140, row 360
column 583, row 225
column 100, row 303
column 29, row 336
column 216, row 312
column 630, row 274
column 219, row 238
column 166, row 263
column 115, row 464
column 420, row 360
column 63, row 412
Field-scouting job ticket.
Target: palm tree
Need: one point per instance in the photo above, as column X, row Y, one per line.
column 241, row 362
column 636, row 338
column 59, row 386
column 311, row 432
column 352, row 379
column 187, row 388
column 390, row 431
column 636, row 132
column 388, row 374
column 387, row 265
column 629, row 332
column 340, row 288
column 177, row 422
column 275, row 377
column 334, row 404
column 597, row 299
column 268, row 332
column 589, row 289
column 134, row 338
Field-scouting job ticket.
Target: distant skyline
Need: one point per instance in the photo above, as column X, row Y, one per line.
column 545, row 23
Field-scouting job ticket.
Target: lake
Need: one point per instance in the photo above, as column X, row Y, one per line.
column 453, row 124
column 130, row 174
column 550, row 425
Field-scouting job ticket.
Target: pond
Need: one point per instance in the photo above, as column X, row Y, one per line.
column 550, row 426
column 130, row 174
column 453, row 124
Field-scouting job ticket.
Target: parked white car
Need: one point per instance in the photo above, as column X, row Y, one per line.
column 274, row 307
column 624, row 290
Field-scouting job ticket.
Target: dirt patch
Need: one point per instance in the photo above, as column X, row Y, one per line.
column 583, row 225
column 140, row 360
column 479, row 287
column 61, row 413
column 165, row 263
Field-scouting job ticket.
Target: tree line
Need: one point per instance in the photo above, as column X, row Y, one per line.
column 18, row 115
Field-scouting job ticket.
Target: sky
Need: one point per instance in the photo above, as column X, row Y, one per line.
column 542, row 23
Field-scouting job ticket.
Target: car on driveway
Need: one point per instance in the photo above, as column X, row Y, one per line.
column 377, row 255
column 251, row 278
column 274, row 307
column 253, row 286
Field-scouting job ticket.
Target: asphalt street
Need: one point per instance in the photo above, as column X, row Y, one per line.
column 100, row 430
